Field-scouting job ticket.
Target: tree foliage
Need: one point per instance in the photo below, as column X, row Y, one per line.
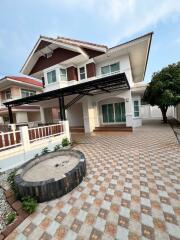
column 164, row 88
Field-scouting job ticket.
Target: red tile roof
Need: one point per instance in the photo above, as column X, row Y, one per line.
column 26, row 80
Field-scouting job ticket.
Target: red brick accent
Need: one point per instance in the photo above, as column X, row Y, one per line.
column 11, row 199
column 17, row 205
column 9, row 193
column 21, row 214
column 91, row 70
column 1, row 237
column 72, row 73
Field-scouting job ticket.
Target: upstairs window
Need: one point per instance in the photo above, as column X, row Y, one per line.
column 27, row 93
column 63, row 74
column 82, row 73
column 7, row 94
column 110, row 68
column 136, row 108
column 51, row 77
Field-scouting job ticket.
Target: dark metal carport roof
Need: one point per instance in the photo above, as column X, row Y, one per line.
column 105, row 84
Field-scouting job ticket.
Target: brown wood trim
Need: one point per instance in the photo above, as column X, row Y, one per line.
column 72, row 73
column 91, row 70
column 59, row 55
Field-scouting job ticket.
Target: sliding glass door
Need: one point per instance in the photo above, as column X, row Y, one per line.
column 113, row 113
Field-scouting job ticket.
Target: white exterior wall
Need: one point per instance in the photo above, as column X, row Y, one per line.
column 58, row 83
column 124, row 64
column 21, row 117
column 91, row 115
column 177, row 112
column 75, row 115
column 137, row 121
column 153, row 112
column 124, row 67
column 42, row 115
column 34, row 116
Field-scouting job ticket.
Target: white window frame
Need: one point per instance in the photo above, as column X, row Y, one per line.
column 47, row 76
column 110, row 101
column 5, row 94
column 108, row 65
column 84, row 72
column 61, row 74
column 28, row 90
column 136, row 100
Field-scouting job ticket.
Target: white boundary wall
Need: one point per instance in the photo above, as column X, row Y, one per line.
column 149, row 112
column 15, row 156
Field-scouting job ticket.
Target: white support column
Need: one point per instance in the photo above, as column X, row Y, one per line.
column 42, row 114
column 129, row 112
column 25, row 138
column 88, row 115
column 66, row 129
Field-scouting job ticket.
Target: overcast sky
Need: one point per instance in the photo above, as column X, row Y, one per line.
column 108, row 22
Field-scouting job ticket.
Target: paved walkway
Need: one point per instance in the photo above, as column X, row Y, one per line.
column 130, row 192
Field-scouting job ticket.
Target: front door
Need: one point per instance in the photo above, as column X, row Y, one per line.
column 113, row 112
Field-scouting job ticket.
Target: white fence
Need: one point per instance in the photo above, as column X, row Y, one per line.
column 10, row 139
column 25, row 136
column 45, row 131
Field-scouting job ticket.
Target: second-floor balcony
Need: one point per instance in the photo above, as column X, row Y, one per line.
column 65, row 83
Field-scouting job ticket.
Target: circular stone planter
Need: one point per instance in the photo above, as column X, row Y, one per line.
column 52, row 175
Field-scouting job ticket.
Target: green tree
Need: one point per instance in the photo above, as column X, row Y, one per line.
column 164, row 89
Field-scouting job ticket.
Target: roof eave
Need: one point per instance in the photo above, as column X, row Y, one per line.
column 43, row 38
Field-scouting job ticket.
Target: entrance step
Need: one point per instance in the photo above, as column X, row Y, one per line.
column 77, row 129
column 113, row 128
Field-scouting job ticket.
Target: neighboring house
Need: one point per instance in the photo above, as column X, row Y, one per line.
column 96, row 85
column 13, row 87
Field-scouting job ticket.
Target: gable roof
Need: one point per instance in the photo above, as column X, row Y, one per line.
column 24, row 80
column 45, row 43
column 80, row 43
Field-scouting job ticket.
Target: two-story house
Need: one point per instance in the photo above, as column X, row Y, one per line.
column 15, row 87
column 91, row 85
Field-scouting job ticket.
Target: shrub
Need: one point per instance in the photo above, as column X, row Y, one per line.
column 36, row 155
column 65, row 142
column 11, row 177
column 11, row 181
column 57, row 147
column 29, row 204
column 10, row 217
column 45, row 151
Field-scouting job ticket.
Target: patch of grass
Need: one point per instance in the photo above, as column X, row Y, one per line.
column 11, row 181
column 10, row 217
column 45, row 151
column 29, row 204
column 57, row 147
column 65, row 142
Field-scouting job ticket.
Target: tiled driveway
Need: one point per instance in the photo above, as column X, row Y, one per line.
column 130, row 192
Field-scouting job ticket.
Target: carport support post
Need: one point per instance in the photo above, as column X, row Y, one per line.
column 62, row 108
column 10, row 114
